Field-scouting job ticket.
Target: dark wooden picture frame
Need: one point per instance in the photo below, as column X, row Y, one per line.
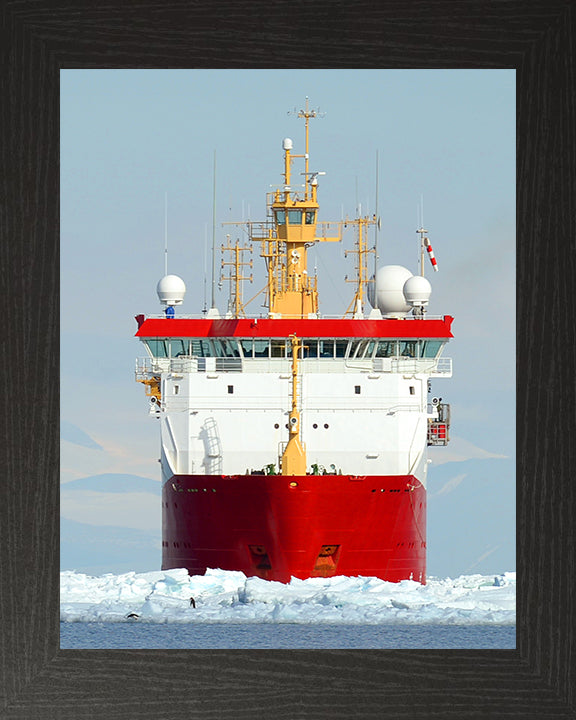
column 538, row 39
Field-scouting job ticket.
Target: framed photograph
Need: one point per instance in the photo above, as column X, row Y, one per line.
column 41, row 680
column 317, row 392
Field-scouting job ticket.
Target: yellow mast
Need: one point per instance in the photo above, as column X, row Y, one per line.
column 294, row 456
column 235, row 305
column 292, row 292
column 357, row 304
column 290, row 229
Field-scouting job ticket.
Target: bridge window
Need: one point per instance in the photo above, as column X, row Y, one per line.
column 409, row 348
column 359, row 350
column 246, row 346
column 163, row 348
column 281, row 217
column 217, row 348
column 326, row 348
column 178, row 347
column 386, row 348
column 430, row 348
column 158, row 348
column 201, row 348
column 353, row 347
column 261, row 348
column 230, row 348
column 295, row 217
column 225, row 348
column 309, row 217
column 310, row 348
column 278, row 348
column 340, row 348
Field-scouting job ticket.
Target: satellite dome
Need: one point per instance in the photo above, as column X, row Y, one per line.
column 390, row 300
column 171, row 290
column 417, row 291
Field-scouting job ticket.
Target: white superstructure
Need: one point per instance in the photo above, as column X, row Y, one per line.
column 366, row 412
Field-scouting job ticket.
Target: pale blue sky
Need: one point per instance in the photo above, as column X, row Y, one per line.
column 130, row 136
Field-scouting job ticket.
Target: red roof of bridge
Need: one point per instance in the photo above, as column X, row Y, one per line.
column 284, row 327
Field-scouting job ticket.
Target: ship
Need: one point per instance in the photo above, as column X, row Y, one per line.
column 294, row 444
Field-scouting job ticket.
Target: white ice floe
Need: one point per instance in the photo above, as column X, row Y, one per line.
column 231, row 597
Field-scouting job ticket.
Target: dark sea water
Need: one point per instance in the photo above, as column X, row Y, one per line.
column 135, row 635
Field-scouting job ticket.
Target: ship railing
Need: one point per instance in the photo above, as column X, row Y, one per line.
column 146, row 367
column 326, row 226
column 428, row 366
column 181, row 365
column 443, row 366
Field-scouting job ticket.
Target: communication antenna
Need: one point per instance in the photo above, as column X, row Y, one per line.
column 205, row 255
column 421, row 232
column 213, row 303
column 165, row 233
column 376, row 229
column 307, row 113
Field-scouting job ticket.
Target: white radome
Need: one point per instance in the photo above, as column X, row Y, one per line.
column 390, row 281
column 171, row 290
column 417, row 291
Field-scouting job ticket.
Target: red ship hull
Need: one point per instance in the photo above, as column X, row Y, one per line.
column 277, row 527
